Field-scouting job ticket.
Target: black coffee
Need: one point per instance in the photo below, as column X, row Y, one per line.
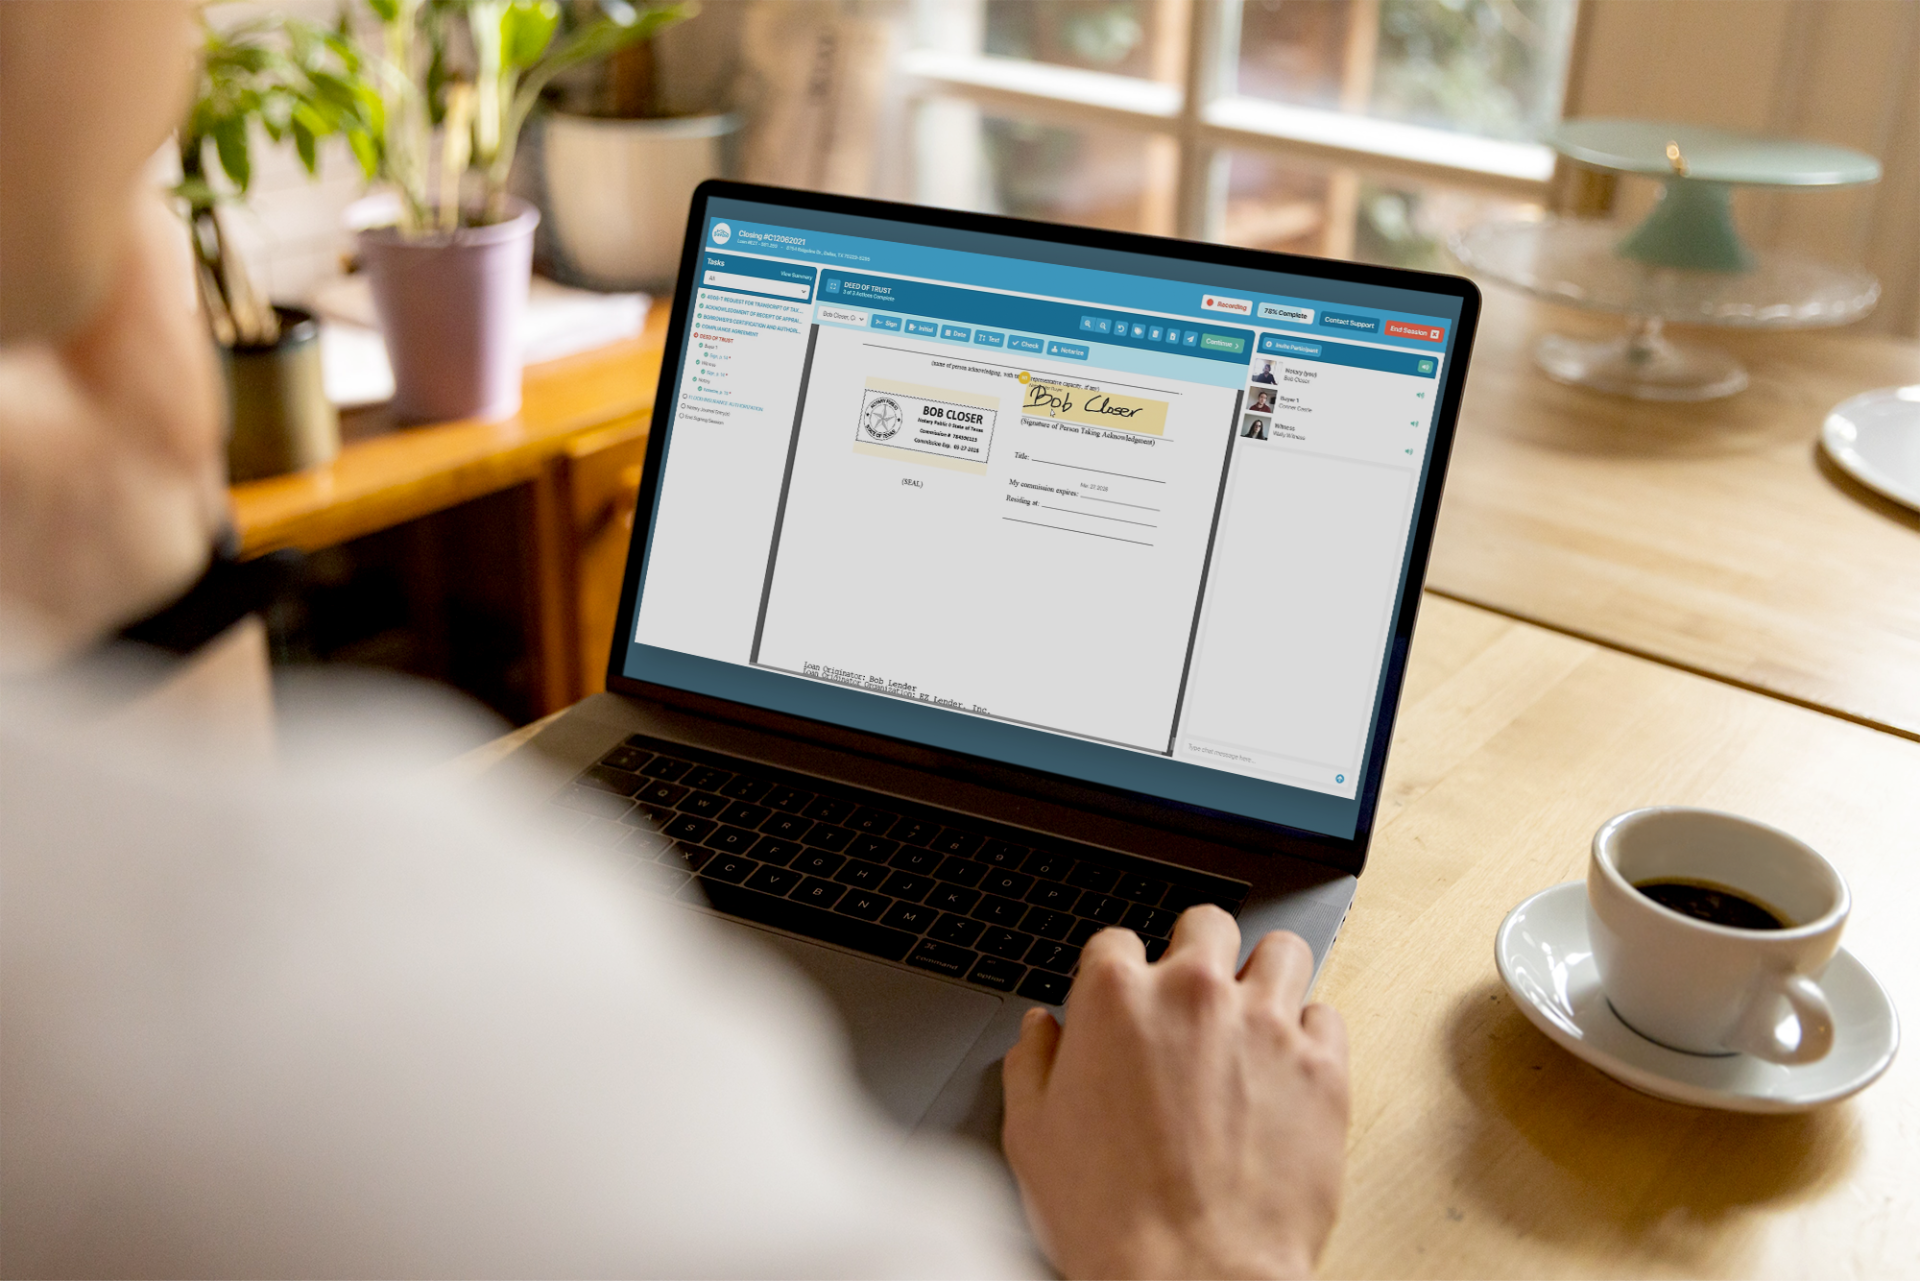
column 1706, row 901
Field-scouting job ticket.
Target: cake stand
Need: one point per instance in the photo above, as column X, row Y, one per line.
column 1685, row 264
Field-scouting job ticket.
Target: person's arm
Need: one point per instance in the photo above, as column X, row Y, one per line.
column 111, row 475
column 1187, row 1121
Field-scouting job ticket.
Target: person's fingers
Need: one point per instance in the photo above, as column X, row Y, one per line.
column 1027, row 1065
column 1206, row 932
column 1114, row 945
column 1324, row 1024
column 1280, row 968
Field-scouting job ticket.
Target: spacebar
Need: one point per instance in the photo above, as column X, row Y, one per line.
column 801, row 918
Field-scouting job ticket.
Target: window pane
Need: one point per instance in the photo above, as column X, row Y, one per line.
column 1144, row 38
column 1274, row 205
column 1406, row 227
column 1488, row 67
column 966, row 158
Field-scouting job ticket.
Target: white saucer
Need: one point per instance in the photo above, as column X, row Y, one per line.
column 1875, row 439
column 1545, row 961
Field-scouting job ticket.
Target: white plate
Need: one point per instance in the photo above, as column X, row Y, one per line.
column 1875, row 439
column 1545, row 962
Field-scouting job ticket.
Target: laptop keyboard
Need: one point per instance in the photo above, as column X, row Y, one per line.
column 995, row 906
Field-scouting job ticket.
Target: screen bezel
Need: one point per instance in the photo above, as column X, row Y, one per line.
column 1344, row 853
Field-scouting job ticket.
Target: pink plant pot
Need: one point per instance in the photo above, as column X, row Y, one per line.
column 450, row 307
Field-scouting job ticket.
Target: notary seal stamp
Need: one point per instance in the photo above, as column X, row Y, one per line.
column 881, row 419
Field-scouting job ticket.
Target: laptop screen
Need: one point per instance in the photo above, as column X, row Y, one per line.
column 1124, row 518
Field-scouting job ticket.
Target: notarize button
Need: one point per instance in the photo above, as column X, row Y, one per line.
column 942, row 958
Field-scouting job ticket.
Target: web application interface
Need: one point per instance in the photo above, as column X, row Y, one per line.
column 1120, row 518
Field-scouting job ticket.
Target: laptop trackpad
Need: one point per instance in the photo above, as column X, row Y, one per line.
column 908, row 1032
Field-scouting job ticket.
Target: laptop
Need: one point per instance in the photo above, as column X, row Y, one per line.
column 994, row 582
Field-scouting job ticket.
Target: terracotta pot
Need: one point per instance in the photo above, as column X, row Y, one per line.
column 618, row 192
column 281, row 418
column 450, row 306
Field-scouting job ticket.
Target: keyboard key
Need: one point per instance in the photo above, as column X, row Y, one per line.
column 818, row 892
column 991, row 971
column 689, row 827
column 788, row 827
column 914, row 831
column 861, row 874
column 999, row 853
column 773, row 880
column 864, row 904
column 995, row 910
column 1104, row 908
column 817, row 863
column 791, row 799
column 1011, row 944
column 640, row 741
column 1091, row 876
column 1156, row 948
column 908, row 886
column 942, row 958
column 962, row 871
column 1048, row 925
column 644, row 841
column 872, row 822
column 953, row 840
column 706, row 778
column 1154, row 921
column 909, row 916
column 663, row 878
column 957, row 930
column 603, row 832
column 829, row 809
column 612, row 780
column 1054, row 895
column 877, row 848
column 772, row 849
column 829, row 837
column 728, row 867
column 741, row 814
column 731, row 840
column 1007, row 884
column 746, row 788
column 591, row 800
column 1082, row 931
column 629, row 759
column 665, row 795
column 638, row 816
column 1058, row 957
column 658, row 815
column 1048, row 989
column 665, row 767
column 1141, row 889
column 693, row 856
column 1048, row 866
column 1181, row 897
column 953, row 898
column 705, row 804
column 910, row 859
column 805, row 919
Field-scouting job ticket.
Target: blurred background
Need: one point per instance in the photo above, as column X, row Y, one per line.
column 1362, row 129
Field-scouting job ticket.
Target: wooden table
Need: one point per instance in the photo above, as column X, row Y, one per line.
column 1480, row 1148
column 575, row 445
column 1715, row 537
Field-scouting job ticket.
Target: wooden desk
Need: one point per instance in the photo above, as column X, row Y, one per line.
column 1714, row 536
column 1480, row 1148
column 576, row 445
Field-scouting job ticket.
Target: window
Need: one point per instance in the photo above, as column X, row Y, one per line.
column 1352, row 128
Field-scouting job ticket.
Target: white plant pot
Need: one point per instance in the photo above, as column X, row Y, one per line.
column 617, row 193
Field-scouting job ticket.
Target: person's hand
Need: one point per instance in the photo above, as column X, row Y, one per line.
column 112, row 476
column 1187, row 1121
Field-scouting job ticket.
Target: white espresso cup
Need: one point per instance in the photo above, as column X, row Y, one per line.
column 1706, row 988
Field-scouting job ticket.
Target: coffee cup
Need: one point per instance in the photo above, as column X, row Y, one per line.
column 1709, row 929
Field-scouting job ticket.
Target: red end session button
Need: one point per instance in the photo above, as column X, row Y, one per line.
column 1426, row 333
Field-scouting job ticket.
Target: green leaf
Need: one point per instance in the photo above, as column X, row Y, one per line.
column 365, row 151
column 388, row 11
column 230, row 142
column 526, row 28
column 303, row 144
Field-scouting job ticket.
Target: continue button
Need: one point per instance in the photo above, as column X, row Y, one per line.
column 1072, row 350
column 1221, row 342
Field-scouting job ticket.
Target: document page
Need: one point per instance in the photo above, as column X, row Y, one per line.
column 1004, row 535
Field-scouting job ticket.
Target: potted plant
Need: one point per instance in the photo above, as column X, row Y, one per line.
column 619, row 169
column 295, row 82
column 450, row 277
